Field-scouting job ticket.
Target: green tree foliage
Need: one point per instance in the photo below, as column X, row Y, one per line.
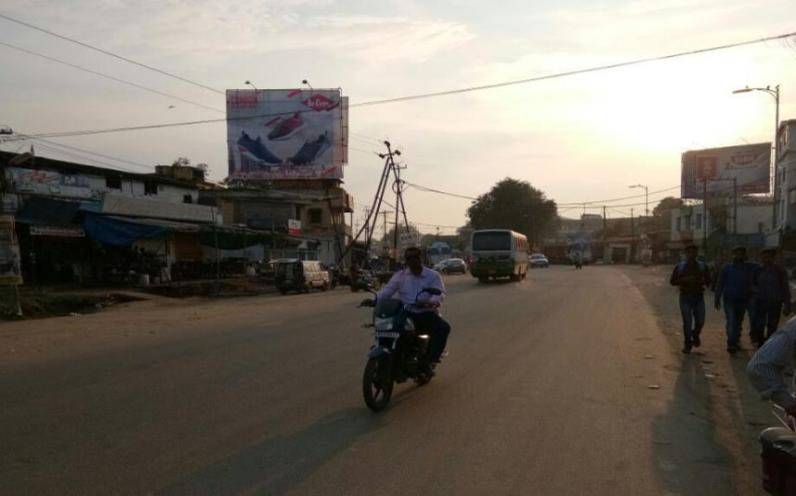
column 662, row 214
column 515, row 204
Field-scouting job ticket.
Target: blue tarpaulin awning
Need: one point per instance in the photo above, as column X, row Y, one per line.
column 119, row 232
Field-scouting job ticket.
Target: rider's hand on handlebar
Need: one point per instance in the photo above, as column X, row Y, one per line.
column 427, row 304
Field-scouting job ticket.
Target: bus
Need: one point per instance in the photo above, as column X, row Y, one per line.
column 498, row 253
column 438, row 252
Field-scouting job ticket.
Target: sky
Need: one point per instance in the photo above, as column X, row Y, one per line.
column 581, row 138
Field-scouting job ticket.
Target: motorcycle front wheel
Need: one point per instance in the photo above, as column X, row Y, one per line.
column 377, row 394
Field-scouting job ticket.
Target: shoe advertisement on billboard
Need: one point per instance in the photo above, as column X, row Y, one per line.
column 287, row 134
column 715, row 168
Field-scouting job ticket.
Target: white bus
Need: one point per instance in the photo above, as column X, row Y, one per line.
column 498, row 253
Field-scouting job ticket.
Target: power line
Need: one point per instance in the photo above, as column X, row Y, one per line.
column 108, row 76
column 423, row 95
column 576, row 71
column 111, row 54
column 440, row 192
column 580, row 204
column 89, row 152
column 79, row 156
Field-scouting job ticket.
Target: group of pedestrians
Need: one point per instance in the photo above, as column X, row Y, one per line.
column 740, row 287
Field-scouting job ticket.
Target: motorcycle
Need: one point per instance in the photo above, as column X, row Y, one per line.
column 364, row 280
column 397, row 354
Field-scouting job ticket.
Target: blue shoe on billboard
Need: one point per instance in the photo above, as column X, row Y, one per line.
column 311, row 150
column 256, row 150
column 286, row 127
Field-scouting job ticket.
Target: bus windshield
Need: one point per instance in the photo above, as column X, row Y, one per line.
column 492, row 241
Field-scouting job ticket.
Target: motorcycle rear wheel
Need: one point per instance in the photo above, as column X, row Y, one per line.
column 377, row 394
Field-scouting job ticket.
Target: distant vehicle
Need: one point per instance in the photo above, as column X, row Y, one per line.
column 292, row 274
column 438, row 252
column 365, row 280
column 452, row 266
column 579, row 249
column 499, row 253
column 539, row 260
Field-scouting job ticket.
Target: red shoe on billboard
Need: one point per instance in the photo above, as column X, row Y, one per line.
column 287, row 127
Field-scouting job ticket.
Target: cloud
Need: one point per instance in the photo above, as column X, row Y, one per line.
column 206, row 28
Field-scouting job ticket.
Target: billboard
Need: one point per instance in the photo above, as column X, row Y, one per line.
column 715, row 168
column 287, row 134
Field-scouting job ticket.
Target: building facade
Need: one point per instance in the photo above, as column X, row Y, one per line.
column 81, row 223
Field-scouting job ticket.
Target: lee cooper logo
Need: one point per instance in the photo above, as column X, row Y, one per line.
column 243, row 99
column 320, row 103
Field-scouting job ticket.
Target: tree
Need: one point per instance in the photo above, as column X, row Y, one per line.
column 181, row 162
column 662, row 214
column 514, row 204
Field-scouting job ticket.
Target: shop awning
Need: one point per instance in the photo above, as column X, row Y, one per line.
column 118, row 231
column 40, row 211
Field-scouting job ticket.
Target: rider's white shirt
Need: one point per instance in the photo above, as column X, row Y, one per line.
column 408, row 285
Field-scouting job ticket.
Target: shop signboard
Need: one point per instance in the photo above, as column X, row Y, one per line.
column 294, row 227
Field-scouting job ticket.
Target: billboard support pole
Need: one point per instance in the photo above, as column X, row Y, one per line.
column 705, row 216
column 735, row 205
column 774, row 223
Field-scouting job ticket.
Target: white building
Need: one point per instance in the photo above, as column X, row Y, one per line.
column 786, row 168
column 688, row 223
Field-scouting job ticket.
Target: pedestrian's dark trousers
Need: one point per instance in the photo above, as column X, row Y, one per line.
column 692, row 309
column 765, row 318
column 734, row 312
column 439, row 329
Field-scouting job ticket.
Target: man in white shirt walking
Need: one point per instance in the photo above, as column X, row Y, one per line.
column 407, row 284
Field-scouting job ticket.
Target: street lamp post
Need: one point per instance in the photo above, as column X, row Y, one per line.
column 774, row 92
column 646, row 197
column 249, row 83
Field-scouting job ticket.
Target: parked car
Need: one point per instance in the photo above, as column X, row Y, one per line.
column 300, row 275
column 538, row 260
column 452, row 266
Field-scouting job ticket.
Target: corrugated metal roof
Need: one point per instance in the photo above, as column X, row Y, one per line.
column 154, row 209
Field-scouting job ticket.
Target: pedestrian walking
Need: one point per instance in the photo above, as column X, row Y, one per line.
column 691, row 276
column 771, row 299
column 734, row 289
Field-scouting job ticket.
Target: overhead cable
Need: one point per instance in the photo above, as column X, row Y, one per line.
column 576, row 204
column 439, row 93
column 110, row 54
column 575, row 72
column 108, row 76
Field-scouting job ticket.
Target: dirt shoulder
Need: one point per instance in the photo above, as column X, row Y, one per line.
column 720, row 382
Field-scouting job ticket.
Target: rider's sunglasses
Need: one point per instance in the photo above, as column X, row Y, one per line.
column 412, row 257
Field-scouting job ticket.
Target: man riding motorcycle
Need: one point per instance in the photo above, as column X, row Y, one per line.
column 407, row 284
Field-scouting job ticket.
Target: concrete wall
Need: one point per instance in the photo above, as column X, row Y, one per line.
column 690, row 227
column 753, row 219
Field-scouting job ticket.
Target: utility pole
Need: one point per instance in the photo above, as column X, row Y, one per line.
column 389, row 170
column 705, row 217
column 775, row 93
column 604, row 222
column 632, row 223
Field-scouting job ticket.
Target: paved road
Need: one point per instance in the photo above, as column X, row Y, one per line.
column 561, row 384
